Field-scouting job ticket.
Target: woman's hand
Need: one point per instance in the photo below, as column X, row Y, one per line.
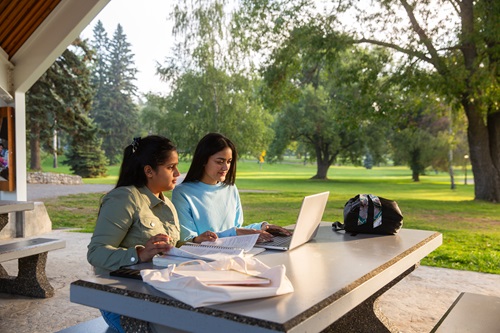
column 266, row 234
column 263, row 235
column 207, row 236
column 276, row 230
column 156, row 244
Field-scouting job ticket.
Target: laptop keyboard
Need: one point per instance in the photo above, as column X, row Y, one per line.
column 280, row 240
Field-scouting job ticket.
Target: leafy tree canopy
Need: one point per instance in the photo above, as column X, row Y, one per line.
column 458, row 41
column 211, row 92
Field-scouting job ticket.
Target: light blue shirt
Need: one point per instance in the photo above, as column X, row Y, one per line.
column 203, row 207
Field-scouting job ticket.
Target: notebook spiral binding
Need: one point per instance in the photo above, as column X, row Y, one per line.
column 213, row 246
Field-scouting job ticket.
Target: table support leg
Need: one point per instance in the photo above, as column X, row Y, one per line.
column 367, row 317
column 31, row 279
column 134, row 325
column 4, row 219
column 3, row 272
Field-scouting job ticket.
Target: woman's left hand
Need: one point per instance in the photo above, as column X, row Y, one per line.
column 207, row 236
column 276, row 230
column 263, row 236
column 156, row 244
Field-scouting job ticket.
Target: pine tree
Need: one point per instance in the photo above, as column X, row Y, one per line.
column 114, row 110
column 85, row 157
column 368, row 161
column 100, row 45
column 60, row 100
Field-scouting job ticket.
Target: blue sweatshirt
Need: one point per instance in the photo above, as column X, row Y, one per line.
column 203, row 207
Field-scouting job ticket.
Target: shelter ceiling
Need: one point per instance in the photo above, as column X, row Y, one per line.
column 19, row 19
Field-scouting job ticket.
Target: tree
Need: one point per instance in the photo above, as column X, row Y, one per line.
column 188, row 113
column 60, row 100
column 457, row 40
column 85, row 156
column 416, row 147
column 460, row 41
column 368, row 161
column 100, row 68
column 114, row 110
column 314, row 121
column 210, row 93
column 326, row 92
column 152, row 114
column 421, row 134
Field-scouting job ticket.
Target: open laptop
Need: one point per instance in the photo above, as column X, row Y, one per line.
column 306, row 227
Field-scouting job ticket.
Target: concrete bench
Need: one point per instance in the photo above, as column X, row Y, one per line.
column 17, row 209
column 32, row 258
column 97, row 325
column 471, row 313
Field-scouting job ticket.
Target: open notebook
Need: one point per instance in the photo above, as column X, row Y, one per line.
column 222, row 248
column 306, row 227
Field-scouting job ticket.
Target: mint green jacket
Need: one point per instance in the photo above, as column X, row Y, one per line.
column 128, row 217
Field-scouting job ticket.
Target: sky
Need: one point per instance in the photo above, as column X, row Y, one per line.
column 146, row 25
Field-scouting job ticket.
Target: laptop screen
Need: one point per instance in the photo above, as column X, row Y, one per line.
column 306, row 226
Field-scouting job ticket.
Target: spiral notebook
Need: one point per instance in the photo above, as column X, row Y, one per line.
column 237, row 246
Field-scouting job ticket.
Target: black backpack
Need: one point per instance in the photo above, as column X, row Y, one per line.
column 369, row 214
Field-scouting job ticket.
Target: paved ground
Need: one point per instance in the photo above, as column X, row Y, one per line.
column 414, row 305
column 38, row 192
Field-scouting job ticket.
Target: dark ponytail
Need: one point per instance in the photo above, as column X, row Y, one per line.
column 153, row 150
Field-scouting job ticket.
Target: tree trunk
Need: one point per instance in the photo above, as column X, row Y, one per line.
column 494, row 136
column 415, row 175
column 484, row 152
column 54, row 154
column 450, row 154
column 483, row 132
column 324, row 158
column 35, row 161
column 452, row 177
column 322, row 170
column 450, row 169
column 415, row 165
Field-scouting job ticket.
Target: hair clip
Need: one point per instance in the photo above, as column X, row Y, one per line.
column 135, row 144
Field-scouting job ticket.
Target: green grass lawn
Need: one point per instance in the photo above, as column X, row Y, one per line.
column 471, row 229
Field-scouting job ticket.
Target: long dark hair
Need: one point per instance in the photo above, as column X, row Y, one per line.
column 210, row 144
column 153, row 150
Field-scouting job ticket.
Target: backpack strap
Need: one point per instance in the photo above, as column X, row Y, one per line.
column 337, row 226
